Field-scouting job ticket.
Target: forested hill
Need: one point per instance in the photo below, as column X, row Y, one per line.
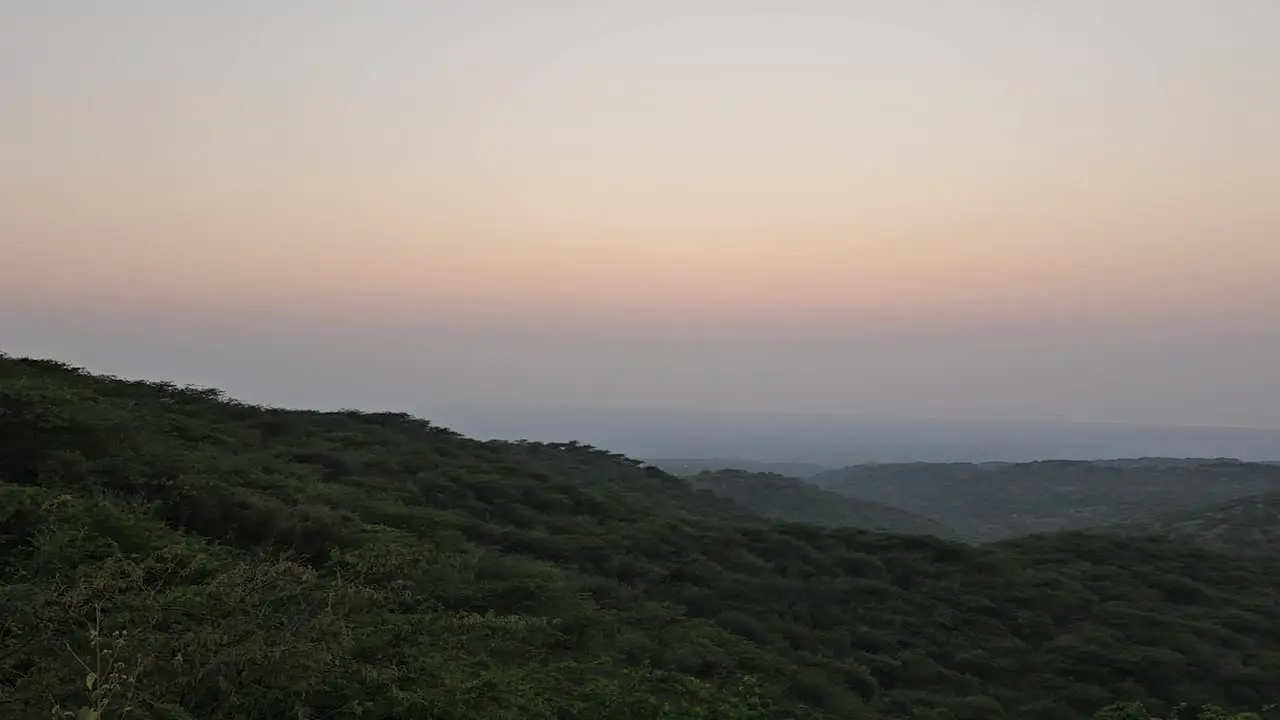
column 994, row 501
column 168, row 550
column 794, row 500
column 1249, row 525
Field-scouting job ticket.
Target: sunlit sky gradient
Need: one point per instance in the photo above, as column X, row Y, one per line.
column 981, row 208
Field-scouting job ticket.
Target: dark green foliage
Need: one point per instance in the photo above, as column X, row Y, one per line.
column 1136, row 711
column 793, row 500
column 994, row 501
column 1249, row 525
column 186, row 556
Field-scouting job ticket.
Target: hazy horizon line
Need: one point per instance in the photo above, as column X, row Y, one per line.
column 517, row 405
column 834, row 414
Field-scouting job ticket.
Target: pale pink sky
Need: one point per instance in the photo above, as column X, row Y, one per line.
column 722, row 169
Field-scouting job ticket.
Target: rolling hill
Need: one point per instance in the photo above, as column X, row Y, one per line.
column 1248, row 525
column 793, row 500
column 994, row 501
column 172, row 550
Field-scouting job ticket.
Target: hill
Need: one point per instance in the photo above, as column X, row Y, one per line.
column 994, row 501
column 692, row 466
column 174, row 551
column 1249, row 525
column 794, row 500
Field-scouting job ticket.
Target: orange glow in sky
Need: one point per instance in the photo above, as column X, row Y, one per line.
column 712, row 161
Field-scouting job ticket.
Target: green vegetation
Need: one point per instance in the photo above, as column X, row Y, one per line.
column 169, row 553
column 1136, row 711
column 792, row 500
column 1249, row 525
column 994, row 501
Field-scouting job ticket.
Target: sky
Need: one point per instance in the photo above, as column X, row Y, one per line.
column 988, row 209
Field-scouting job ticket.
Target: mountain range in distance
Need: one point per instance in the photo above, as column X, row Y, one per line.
column 1222, row 504
column 793, row 500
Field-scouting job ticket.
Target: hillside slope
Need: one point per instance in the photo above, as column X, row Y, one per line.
column 1248, row 525
column 997, row 501
column 250, row 562
column 793, row 500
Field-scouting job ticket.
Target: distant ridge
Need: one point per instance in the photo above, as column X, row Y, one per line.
column 693, row 466
column 994, row 501
column 794, row 500
column 1248, row 525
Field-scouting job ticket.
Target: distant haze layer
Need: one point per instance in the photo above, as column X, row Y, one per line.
column 837, row 440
